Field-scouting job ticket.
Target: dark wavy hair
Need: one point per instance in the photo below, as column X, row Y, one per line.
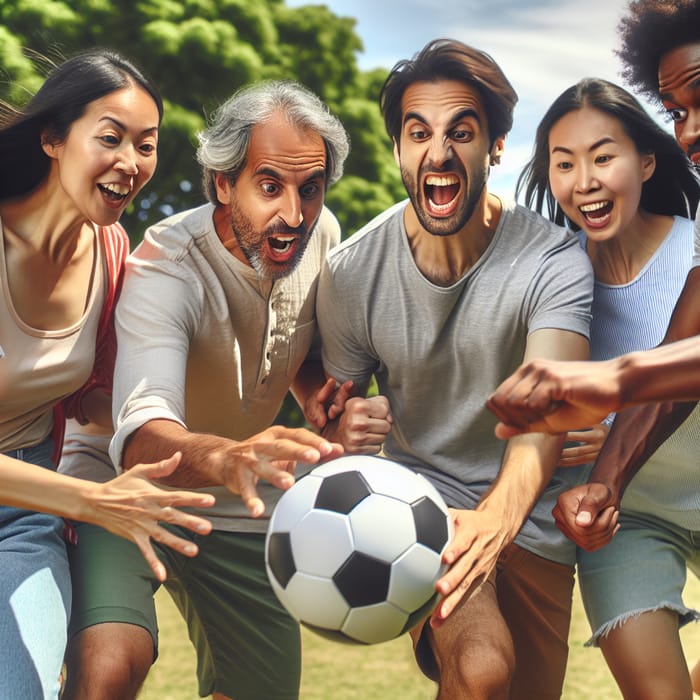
column 59, row 102
column 673, row 188
column 448, row 59
column 650, row 29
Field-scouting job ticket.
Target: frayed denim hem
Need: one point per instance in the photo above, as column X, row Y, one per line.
column 685, row 615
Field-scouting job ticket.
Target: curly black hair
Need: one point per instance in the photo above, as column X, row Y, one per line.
column 650, row 29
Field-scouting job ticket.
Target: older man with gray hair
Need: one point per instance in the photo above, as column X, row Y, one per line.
column 216, row 323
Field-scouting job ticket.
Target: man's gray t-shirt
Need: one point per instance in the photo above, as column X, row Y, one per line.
column 438, row 352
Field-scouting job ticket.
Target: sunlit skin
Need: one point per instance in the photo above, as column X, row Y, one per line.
column 596, row 175
column 110, row 153
column 679, row 89
column 444, row 154
column 271, row 209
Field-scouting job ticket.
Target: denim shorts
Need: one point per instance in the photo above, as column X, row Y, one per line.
column 642, row 569
column 35, row 595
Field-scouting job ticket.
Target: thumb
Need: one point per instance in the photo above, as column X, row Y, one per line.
column 588, row 510
column 160, row 469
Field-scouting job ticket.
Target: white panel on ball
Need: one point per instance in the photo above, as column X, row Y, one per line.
column 321, row 542
column 409, row 586
column 373, row 624
column 381, row 476
column 379, row 514
column 317, row 601
column 305, row 490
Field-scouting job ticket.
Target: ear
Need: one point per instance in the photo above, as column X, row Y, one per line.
column 397, row 160
column 497, row 149
column 48, row 145
column 223, row 188
column 648, row 166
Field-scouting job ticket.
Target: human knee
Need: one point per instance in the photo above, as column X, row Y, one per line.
column 110, row 665
column 480, row 671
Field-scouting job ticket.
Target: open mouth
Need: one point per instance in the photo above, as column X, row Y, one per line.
column 597, row 213
column 114, row 192
column 282, row 247
column 441, row 193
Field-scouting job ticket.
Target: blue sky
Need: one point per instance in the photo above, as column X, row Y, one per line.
column 543, row 46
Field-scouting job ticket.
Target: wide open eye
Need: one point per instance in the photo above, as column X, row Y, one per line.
column 677, row 114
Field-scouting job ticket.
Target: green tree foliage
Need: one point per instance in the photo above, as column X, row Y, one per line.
column 199, row 52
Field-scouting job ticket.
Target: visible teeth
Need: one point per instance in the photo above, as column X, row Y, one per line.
column 585, row 208
column 121, row 190
column 441, row 180
column 282, row 243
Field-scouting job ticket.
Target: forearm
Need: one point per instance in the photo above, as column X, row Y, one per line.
column 670, row 372
column 158, row 439
column 528, row 465
column 636, row 434
column 667, row 373
column 29, row 486
column 307, row 383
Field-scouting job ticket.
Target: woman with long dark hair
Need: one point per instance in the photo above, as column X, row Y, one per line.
column 602, row 166
column 72, row 159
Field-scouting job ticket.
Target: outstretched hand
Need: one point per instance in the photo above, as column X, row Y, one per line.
column 471, row 556
column 587, row 514
column 271, row 455
column 131, row 506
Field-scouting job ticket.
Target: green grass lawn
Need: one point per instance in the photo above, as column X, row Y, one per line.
column 384, row 671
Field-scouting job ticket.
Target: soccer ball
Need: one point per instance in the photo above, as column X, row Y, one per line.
column 354, row 549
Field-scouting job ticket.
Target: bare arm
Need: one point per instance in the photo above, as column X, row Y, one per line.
column 129, row 505
column 587, row 514
column 554, row 397
column 210, row 460
column 528, row 465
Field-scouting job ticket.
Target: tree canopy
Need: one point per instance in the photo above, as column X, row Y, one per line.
column 199, row 52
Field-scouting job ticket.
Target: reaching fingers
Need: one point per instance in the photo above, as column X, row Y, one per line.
column 173, row 516
column 295, row 444
column 158, row 470
column 325, row 393
column 578, row 454
column 165, row 538
column 144, row 544
column 340, row 398
column 586, row 445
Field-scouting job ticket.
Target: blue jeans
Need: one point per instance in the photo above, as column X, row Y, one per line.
column 35, row 595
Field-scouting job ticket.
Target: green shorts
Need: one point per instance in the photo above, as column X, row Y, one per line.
column 247, row 646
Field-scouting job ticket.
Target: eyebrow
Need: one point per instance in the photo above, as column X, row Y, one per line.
column 271, row 172
column 122, row 126
column 597, row 144
column 668, row 97
column 467, row 113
